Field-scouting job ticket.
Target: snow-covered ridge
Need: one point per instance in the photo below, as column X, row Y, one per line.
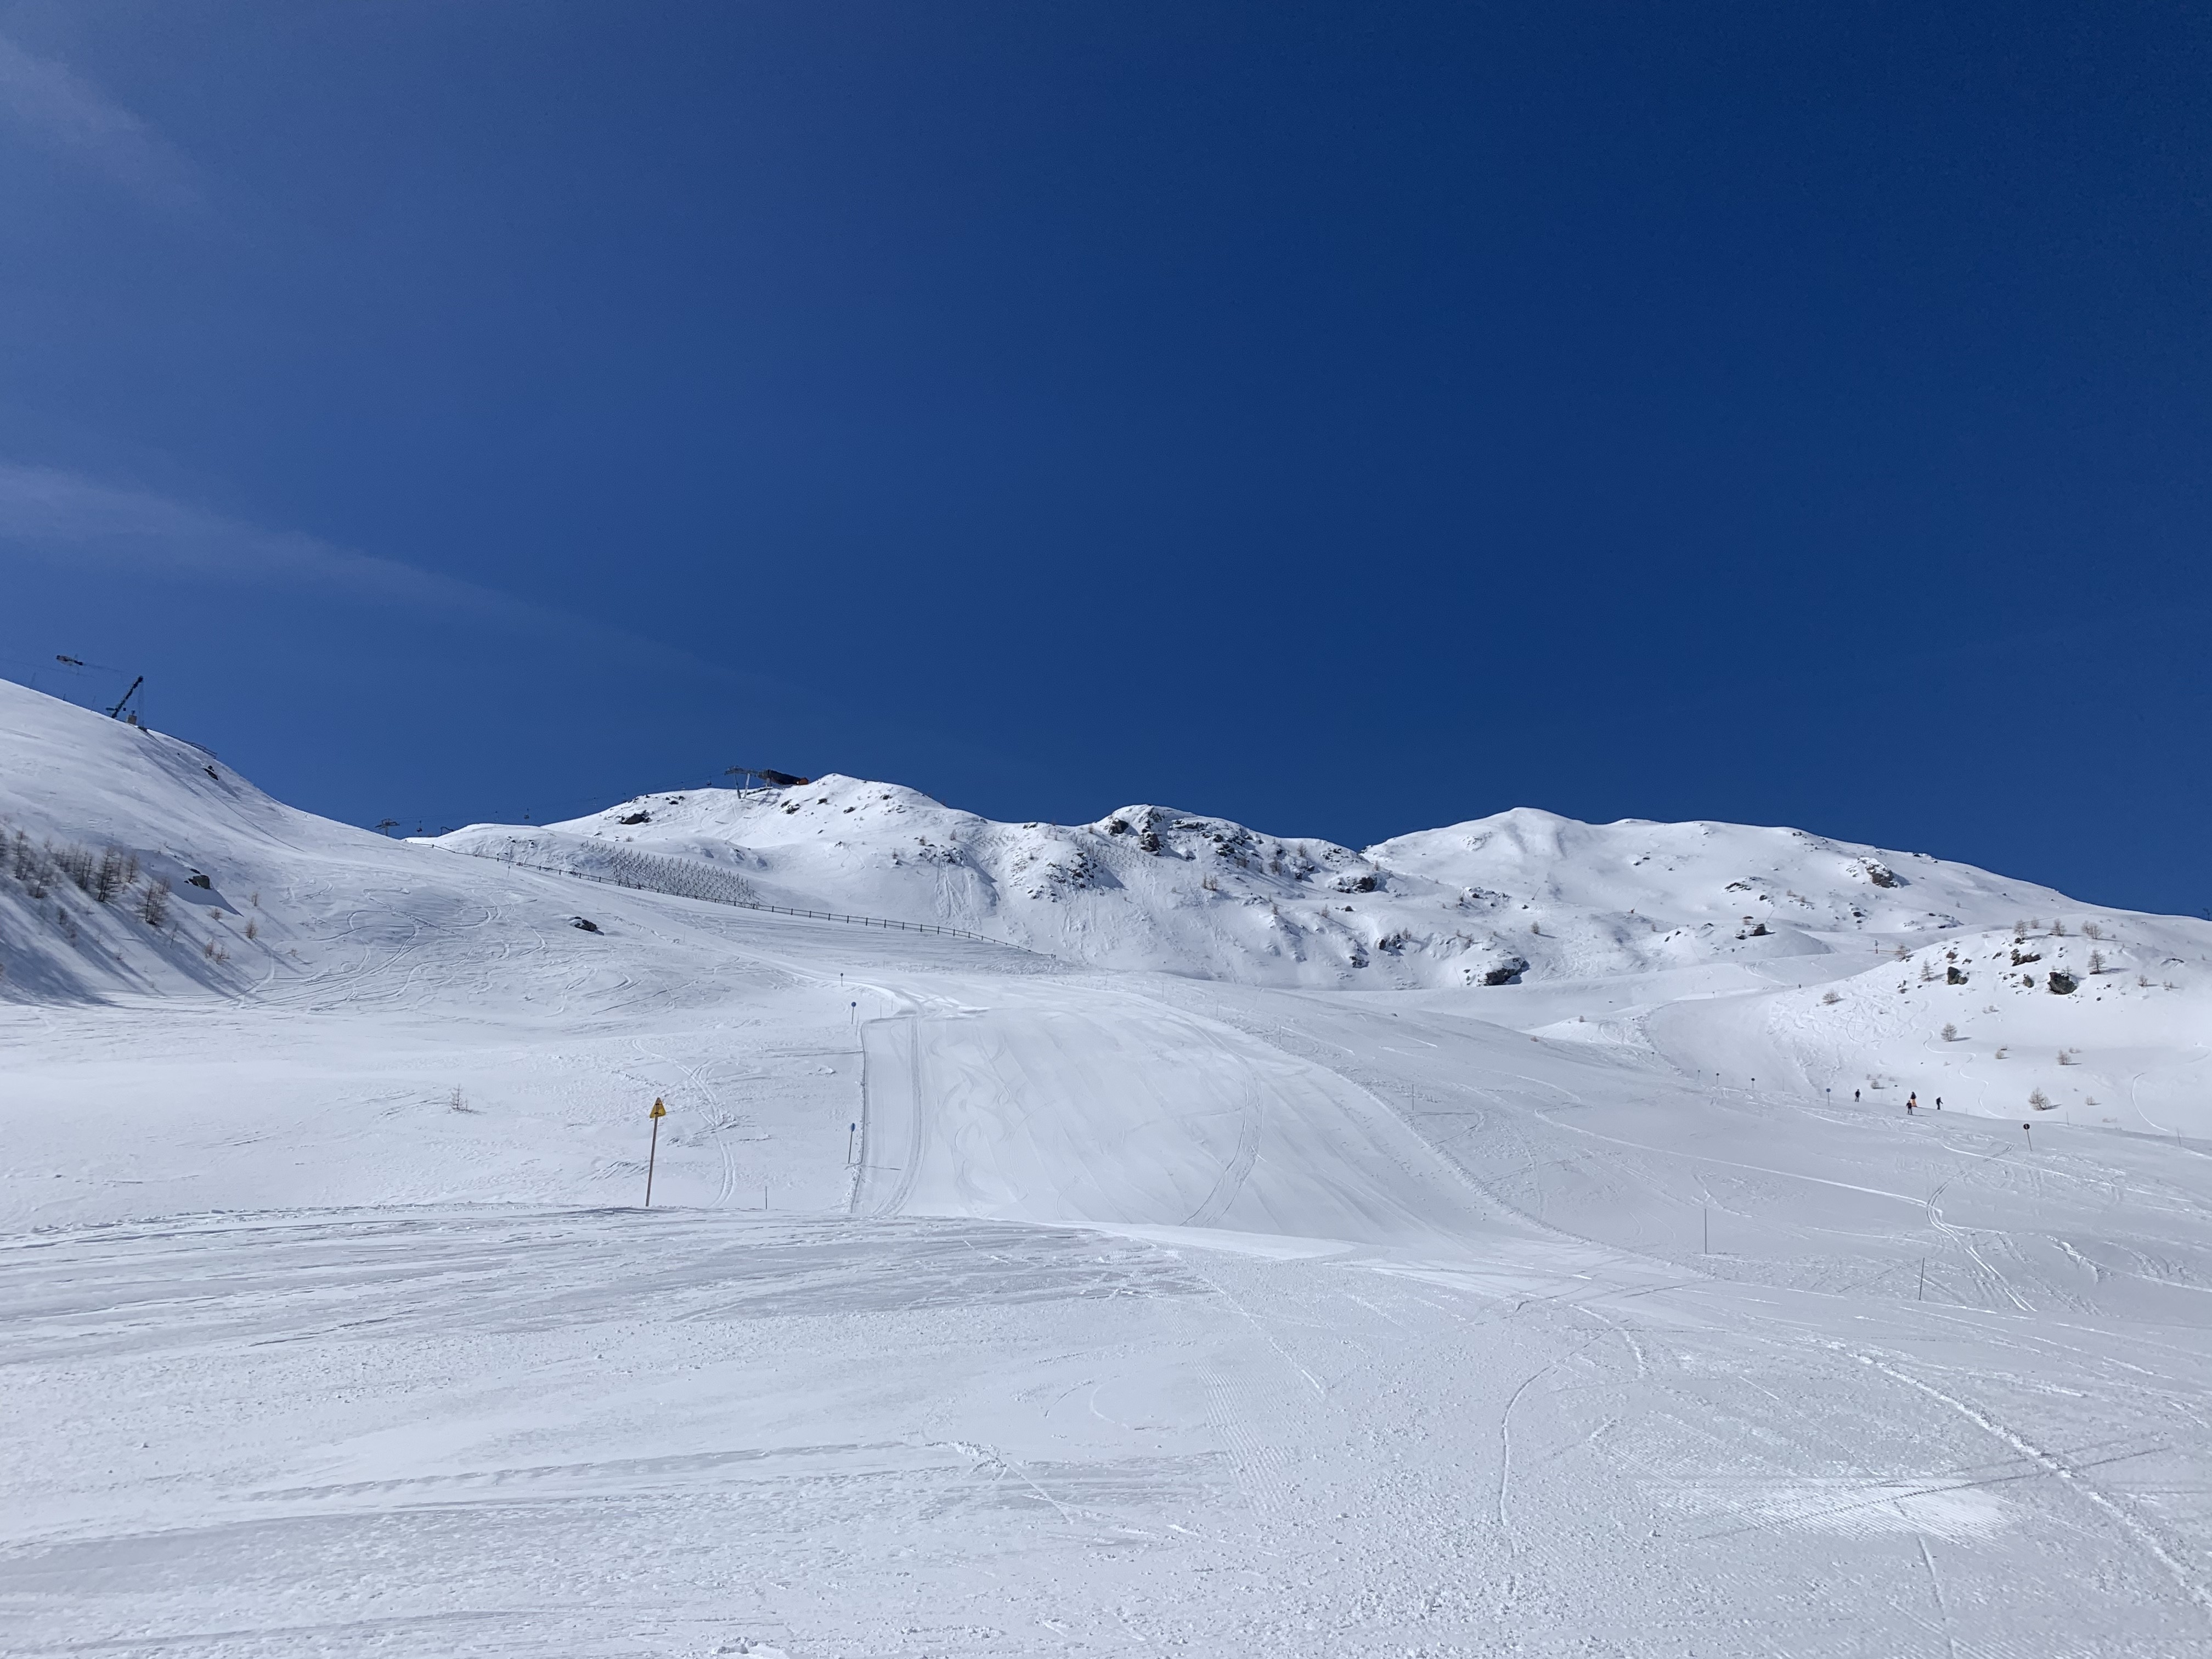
column 1524, row 893
column 1804, row 962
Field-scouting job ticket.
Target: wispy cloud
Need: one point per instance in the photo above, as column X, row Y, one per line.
column 60, row 111
column 67, row 519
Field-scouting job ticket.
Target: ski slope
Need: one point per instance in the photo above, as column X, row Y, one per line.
column 1147, row 1289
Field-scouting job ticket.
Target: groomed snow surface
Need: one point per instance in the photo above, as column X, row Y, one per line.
column 1507, row 1240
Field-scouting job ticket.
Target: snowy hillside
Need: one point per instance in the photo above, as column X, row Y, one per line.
column 1890, row 948
column 1522, row 893
column 1247, row 1275
column 134, row 861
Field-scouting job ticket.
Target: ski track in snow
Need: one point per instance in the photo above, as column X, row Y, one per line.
column 1305, row 1310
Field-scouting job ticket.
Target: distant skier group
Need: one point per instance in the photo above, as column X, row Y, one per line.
column 1912, row 1102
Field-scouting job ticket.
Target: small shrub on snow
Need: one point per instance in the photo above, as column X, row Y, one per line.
column 1950, row 1032
column 1832, row 998
column 2039, row 1100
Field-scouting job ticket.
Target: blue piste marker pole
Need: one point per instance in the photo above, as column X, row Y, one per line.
column 851, row 1142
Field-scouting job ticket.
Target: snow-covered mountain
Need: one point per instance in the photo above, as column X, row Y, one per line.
column 1524, row 894
column 1842, row 966
column 132, row 861
column 137, row 864
column 1746, row 952
column 1247, row 1274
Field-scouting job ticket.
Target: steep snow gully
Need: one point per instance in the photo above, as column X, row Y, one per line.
column 1507, row 1240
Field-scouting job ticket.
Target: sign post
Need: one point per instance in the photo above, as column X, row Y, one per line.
column 653, row 1152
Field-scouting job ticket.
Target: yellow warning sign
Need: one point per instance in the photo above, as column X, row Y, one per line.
column 659, row 1110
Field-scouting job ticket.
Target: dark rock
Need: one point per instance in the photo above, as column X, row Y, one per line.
column 584, row 922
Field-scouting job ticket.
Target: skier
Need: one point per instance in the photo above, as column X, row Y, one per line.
column 1854, row 1096
column 1912, row 1104
column 1939, row 1102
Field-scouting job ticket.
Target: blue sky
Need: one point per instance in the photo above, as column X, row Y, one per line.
column 1344, row 418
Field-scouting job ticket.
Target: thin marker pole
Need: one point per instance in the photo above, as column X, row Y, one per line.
column 652, row 1152
column 1922, row 1295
